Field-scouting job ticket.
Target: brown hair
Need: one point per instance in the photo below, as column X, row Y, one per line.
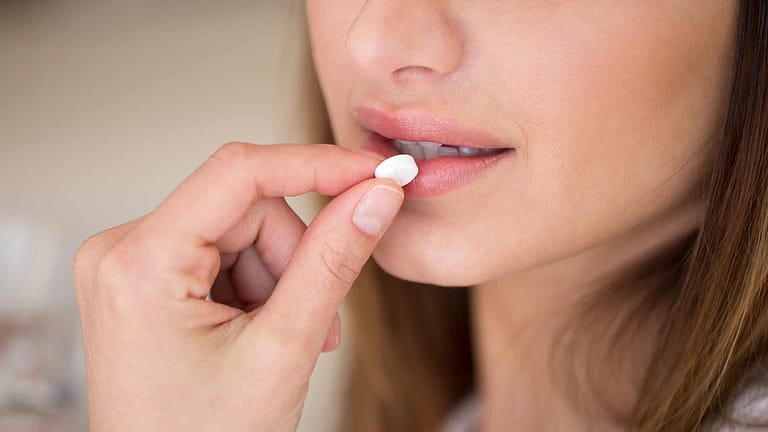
column 412, row 353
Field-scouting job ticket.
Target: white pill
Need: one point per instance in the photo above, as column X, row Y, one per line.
column 400, row 168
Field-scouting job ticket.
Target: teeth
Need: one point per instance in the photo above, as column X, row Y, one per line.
column 471, row 151
column 448, row 151
column 414, row 149
column 429, row 150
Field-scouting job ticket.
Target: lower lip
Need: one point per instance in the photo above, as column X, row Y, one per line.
column 440, row 175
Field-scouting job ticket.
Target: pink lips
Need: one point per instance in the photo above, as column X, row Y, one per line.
column 436, row 176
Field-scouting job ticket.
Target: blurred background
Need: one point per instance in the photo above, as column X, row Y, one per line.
column 105, row 106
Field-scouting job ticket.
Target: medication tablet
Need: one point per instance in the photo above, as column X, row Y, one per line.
column 400, row 168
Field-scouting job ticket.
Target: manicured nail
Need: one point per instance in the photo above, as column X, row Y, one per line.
column 377, row 209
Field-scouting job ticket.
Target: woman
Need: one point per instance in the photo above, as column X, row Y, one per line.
column 595, row 171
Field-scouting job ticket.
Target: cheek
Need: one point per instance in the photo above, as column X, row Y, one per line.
column 619, row 114
column 617, row 119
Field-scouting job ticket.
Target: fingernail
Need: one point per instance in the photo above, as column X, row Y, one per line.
column 377, row 209
column 338, row 341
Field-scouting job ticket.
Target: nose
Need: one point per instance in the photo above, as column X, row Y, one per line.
column 404, row 41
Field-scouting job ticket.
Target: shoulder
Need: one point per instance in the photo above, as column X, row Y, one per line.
column 747, row 408
column 464, row 417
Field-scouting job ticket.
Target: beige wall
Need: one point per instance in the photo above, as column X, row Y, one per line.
column 104, row 107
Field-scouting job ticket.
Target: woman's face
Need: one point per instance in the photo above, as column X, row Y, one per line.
column 609, row 105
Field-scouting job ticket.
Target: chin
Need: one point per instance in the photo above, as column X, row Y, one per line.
column 418, row 261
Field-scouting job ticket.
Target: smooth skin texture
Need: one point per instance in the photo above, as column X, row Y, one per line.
column 160, row 356
column 612, row 107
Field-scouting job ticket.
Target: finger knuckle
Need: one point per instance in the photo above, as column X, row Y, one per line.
column 82, row 271
column 88, row 255
column 341, row 264
column 233, row 152
column 92, row 250
column 111, row 269
column 85, row 259
column 95, row 271
column 115, row 281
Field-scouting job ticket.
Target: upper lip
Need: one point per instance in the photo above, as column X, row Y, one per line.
column 414, row 125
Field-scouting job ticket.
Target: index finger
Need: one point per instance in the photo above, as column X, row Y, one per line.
column 219, row 193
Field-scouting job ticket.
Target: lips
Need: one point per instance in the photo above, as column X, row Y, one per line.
column 420, row 126
column 385, row 134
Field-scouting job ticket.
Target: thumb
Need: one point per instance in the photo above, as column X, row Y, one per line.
column 329, row 259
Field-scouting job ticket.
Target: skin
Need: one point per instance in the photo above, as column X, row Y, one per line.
column 612, row 108
column 160, row 357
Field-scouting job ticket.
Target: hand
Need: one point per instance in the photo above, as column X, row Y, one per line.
column 160, row 356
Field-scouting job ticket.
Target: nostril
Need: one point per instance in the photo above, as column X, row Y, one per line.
column 413, row 73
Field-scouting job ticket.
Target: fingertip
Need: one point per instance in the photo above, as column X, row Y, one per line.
column 378, row 208
column 384, row 181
